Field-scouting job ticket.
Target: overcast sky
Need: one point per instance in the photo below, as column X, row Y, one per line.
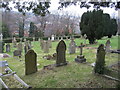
column 77, row 11
column 74, row 10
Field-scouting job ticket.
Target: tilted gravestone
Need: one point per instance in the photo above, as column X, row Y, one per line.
column 7, row 47
column 107, row 47
column 17, row 53
column 46, row 47
column 14, row 42
column 20, row 46
column 50, row 43
column 72, row 47
column 30, row 62
column 100, row 60
column 61, row 54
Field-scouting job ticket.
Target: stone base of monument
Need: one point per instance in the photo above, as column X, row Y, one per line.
column 61, row 64
column 80, row 59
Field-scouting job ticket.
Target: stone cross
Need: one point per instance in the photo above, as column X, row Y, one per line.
column 30, row 62
column 1, row 36
column 81, row 48
column 61, row 54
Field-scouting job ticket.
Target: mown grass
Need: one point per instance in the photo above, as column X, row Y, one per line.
column 73, row 75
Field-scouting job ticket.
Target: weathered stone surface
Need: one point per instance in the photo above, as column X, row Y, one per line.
column 107, row 47
column 20, row 46
column 61, row 54
column 17, row 53
column 100, row 60
column 41, row 43
column 7, row 47
column 72, row 47
column 14, row 42
column 30, row 62
column 80, row 58
column 46, row 47
column 27, row 47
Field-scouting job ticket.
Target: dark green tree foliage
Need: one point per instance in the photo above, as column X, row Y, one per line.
column 31, row 31
column 96, row 24
column 100, row 60
column 21, row 29
column 5, row 31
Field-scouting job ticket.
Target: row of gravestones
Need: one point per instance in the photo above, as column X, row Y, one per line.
column 31, row 57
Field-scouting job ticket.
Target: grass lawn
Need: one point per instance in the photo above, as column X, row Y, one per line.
column 73, row 75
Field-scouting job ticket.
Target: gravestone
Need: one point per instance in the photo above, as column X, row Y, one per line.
column 17, row 53
column 46, row 47
column 80, row 58
column 1, row 37
column 107, row 47
column 27, row 46
column 33, row 39
column 30, row 62
column 41, row 43
column 72, row 47
column 20, row 46
column 52, row 38
column 100, row 59
column 50, row 43
column 14, row 42
column 61, row 54
column 85, row 36
column 7, row 47
column 2, row 46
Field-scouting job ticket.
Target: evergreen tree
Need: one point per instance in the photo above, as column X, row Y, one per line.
column 32, row 30
column 96, row 24
column 5, row 31
column 21, row 29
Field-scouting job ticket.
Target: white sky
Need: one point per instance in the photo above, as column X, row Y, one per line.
column 77, row 11
column 74, row 10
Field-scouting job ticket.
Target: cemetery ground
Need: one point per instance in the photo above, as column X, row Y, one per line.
column 73, row 75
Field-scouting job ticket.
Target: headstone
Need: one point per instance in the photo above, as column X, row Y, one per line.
column 46, row 47
column 52, row 38
column 80, row 58
column 20, row 46
column 41, row 43
column 17, row 53
column 14, row 42
column 107, row 47
column 26, row 47
column 38, row 39
column 85, row 36
column 30, row 62
column 50, row 43
column 2, row 46
column 72, row 47
column 100, row 60
column 7, row 47
column 61, row 54
column 33, row 39
column 1, row 37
